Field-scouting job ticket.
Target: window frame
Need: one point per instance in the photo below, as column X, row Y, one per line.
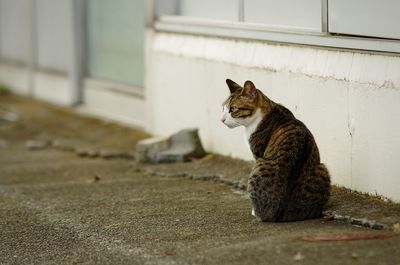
column 259, row 32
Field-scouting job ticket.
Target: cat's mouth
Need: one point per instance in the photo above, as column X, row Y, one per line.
column 232, row 125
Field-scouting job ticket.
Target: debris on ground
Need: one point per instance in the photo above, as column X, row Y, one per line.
column 83, row 150
column 66, row 144
column 179, row 147
column 87, row 153
column 8, row 116
column 298, row 256
column 328, row 217
column 95, row 179
column 147, row 149
column 354, row 255
column 350, row 237
column 116, row 154
column 36, row 144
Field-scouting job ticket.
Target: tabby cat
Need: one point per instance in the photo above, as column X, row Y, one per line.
column 287, row 182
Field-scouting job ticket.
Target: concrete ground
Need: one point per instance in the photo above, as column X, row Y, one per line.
column 74, row 195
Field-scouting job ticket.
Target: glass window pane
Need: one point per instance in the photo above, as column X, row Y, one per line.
column 214, row 9
column 299, row 14
column 166, row 7
column 14, row 30
column 115, row 43
column 53, row 18
column 365, row 17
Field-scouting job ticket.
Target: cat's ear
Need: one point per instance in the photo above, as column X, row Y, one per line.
column 249, row 90
column 233, row 87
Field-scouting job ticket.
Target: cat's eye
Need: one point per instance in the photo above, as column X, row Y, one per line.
column 234, row 109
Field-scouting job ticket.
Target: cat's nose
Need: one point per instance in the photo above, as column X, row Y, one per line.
column 223, row 119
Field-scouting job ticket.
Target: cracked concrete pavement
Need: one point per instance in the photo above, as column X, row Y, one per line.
column 84, row 200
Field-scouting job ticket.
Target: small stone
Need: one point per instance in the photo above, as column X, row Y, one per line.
column 184, row 146
column 93, row 153
column 180, row 174
column 339, row 217
column 378, row 226
column 396, row 228
column 354, row 255
column 65, row 145
column 81, row 152
column 158, row 174
column 36, row 144
column 203, row 177
column 357, row 221
column 298, row 256
column 146, row 149
column 226, row 180
column 369, row 223
column 9, row 116
column 241, row 185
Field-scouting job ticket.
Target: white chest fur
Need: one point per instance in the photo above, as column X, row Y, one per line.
column 252, row 124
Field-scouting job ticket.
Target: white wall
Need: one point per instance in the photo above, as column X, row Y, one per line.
column 350, row 101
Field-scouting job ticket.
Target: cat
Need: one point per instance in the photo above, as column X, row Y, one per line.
column 287, row 182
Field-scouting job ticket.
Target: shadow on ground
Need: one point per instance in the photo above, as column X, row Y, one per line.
column 70, row 193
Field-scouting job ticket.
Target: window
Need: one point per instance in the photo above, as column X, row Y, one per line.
column 213, row 9
column 115, row 43
column 53, row 18
column 365, row 18
column 288, row 14
column 358, row 24
column 14, row 30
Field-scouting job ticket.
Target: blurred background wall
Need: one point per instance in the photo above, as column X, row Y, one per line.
column 161, row 65
column 74, row 52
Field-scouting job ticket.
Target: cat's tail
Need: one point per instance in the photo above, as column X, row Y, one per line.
column 310, row 195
